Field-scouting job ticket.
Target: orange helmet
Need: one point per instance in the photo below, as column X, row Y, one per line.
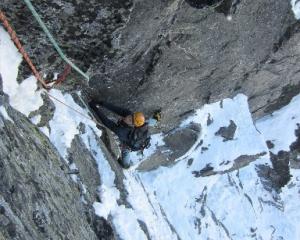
column 138, row 119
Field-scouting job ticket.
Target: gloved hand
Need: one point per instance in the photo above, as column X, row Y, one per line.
column 157, row 115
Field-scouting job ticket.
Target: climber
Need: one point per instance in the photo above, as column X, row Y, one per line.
column 131, row 129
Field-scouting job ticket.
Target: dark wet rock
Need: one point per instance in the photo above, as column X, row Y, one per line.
column 199, row 4
column 203, row 149
column 209, row 120
column 238, row 163
column 11, row 230
column 177, row 143
column 40, row 220
column 195, row 127
column 188, row 136
column 287, row 93
column 295, row 146
column 2, row 210
column 204, row 72
column 102, row 229
column 266, row 173
column 190, row 162
column 227, row 132
column 270, row 145
column 1, row 85
column 227, row 7
column 280, row 164
column 278, row 175
column 144, row 228
column 79, row 154
column 295, row 150
column 206, row 171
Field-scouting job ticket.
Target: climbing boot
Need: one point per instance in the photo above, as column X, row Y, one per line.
column 125, row 166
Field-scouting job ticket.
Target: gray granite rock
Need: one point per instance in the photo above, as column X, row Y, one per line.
column 38, row 199
column 227, row 132
column 170, row 54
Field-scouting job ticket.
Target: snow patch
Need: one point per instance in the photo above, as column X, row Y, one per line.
column 10, row 60
column 36, row 119
column 296, row 8
column 18, row 93
column 46, row 131
column 65, row 123
column 220, row 153
column 279, row 128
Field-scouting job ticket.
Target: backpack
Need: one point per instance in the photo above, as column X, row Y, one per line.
column 139, row 138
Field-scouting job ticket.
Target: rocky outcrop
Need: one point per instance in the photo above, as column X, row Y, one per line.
column 177, row 143
column 278, row 175
column 38, row 199
column 227, row 132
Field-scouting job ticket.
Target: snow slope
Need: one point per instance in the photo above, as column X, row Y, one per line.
column 232, row 204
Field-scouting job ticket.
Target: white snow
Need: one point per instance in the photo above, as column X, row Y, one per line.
column 45, row 130
column 296, row 8
column 65, row 122
column 220, row 153
column 24, row 96
column 36, row 119
column 275, row 128
column 26, row 91
column 4, row 113
column 234, row 205
column 9, row 62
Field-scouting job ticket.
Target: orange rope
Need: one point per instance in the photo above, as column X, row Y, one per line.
column 63, row 75
column 21, row 49
column 67, row 70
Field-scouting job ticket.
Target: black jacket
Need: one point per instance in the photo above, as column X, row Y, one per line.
column 121, row 129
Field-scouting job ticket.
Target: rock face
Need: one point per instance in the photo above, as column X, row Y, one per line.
column 38, row 199
column 171, row 54
column 174, row 55
column 183, row 57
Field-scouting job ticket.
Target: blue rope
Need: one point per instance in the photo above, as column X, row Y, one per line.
column 52, row 40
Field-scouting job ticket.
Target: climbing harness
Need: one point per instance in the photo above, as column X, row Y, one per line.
column 52, row 40
column 46, row 87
